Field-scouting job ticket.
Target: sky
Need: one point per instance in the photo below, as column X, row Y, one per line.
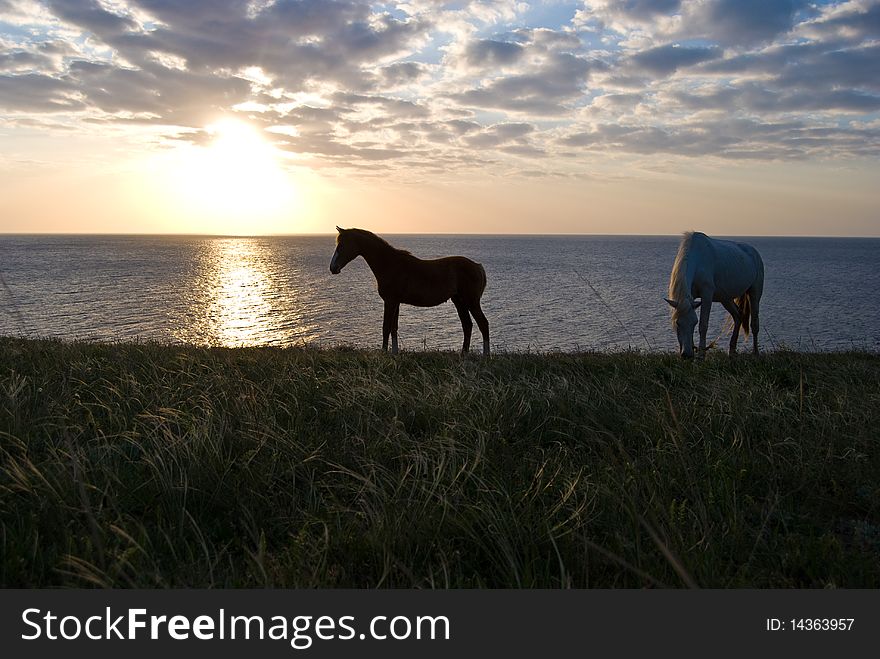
column 734, row 117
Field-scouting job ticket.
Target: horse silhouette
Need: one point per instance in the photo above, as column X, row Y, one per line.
column 405, row 279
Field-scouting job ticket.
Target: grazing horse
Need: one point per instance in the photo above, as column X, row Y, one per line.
column 403, row 278
column 714, row 271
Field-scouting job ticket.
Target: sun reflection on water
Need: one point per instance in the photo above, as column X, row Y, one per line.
column 242, row 297
column 240, row 310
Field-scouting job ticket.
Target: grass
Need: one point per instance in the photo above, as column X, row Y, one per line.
column 145, row 465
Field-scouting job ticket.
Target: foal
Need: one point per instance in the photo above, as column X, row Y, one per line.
column 404, row 278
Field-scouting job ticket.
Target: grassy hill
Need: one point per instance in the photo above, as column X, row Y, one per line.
column 158, row 466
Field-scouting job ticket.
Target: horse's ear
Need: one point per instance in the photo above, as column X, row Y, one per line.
column 338, row 228
column 697, row 304
column 671, row 303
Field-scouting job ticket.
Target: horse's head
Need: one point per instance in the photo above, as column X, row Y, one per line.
column 346, row 250
column 684, row 319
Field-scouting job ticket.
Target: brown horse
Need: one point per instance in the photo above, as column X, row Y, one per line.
column 403, row 278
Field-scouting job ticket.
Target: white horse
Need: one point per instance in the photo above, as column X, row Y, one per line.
column 714, row 271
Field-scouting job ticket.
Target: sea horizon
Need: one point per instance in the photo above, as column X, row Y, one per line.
column 427, row 233
column 544, row 293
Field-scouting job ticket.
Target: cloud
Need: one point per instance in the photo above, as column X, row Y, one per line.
column 667, row 59
column 643, row 10
column 401, row 73
column 291, row 40
column 389, row 107
column 38, row 93
column 435, row 84
column 743, row 22
column 90, row 15
column 794, row 78
column 544, row 88
column 729, row 139
column 854, row 20
column 23, row 61
column 756, row 98
column 488, row 52
column 501, row 134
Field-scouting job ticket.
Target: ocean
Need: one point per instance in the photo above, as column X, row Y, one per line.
column 544, row 293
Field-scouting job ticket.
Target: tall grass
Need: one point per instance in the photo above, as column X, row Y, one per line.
column 163, row 466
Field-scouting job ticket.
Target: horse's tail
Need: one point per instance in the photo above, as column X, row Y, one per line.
column 744, row 303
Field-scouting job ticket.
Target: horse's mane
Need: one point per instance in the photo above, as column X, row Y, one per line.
column 369, row 235
column 678, row 288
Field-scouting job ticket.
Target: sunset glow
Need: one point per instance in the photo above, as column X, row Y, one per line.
column 237, row 180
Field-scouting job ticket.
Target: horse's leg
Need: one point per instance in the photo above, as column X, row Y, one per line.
column 733, row 310
column 483, row 324
column 467, row 325
column 705, row 308
column 394, row 319
column 754, row 300
column 386, row 324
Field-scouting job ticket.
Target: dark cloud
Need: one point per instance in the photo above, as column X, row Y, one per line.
column 501, row 134
column 23, row 60
column 599, row 13
column 644, row 9
column 856, row 21
column 461, row 127
column 524, row 150
column 744, row 22
column 794, row 78
column 835, row 69
column 401, row 73
column 667, row 59
column 621, row 100
column 90, row 15
column 730, row 139
column 341, row 152
column 391, row 107
column 175, row 97
column 812, row 66
column 487, row 52
column 551, row 39
column 35, row 92
column 542, row 91
column 754, row 97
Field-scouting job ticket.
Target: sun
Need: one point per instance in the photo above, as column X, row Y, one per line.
column 235, row 184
